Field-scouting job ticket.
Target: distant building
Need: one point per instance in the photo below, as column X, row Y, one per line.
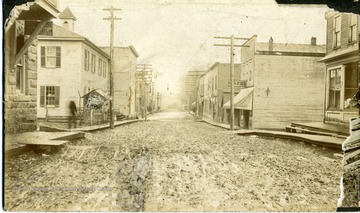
column 284, row 83
column 145, row 92
column 125, row 62
column 24, row 24
column 342, row 65
column 191, row 89
column 69, row 66
column 216, row 91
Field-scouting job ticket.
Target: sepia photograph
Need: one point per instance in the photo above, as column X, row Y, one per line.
column 181, row 106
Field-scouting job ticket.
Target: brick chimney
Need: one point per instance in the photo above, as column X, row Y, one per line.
column 271, row 44
column 313, row 40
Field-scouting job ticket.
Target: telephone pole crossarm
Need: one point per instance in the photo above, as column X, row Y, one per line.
column 227, row 45
column 238, row 38
column 232, row 46
column 112, row 18
column 146, row 73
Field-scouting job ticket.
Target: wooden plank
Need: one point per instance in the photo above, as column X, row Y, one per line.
column 314, row 139
column 29, row 41
column 290, row 129
column 70, row 136
column 44, row 142
column 325, row 127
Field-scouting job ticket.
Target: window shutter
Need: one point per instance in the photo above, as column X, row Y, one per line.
column 58, row 56
column 42, row 56
column 42, row 96
column 334, row 21
column 105, row 69
column 57, row 96
column 100, row 67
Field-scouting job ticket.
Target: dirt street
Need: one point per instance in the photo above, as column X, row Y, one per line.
column 171, row 163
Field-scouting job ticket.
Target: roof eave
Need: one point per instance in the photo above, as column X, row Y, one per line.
column 81, row 39
column 134, row 51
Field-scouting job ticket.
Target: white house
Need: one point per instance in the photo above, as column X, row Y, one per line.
column 69, row 66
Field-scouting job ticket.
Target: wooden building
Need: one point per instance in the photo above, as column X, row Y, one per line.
column 191, row 89
column 69, row 66
column 286, row 83
column 342, row 66
column 125, row 62
column 215, row 91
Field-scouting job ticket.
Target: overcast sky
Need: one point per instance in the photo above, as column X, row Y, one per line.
column 177, row 36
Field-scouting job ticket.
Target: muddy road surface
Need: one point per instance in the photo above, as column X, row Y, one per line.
column 172, row 163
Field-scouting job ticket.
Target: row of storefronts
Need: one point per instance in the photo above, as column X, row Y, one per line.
column 277, row 84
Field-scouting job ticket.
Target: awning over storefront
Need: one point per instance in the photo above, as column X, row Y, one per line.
column 243, row 100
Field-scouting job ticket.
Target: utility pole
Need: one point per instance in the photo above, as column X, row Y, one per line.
column 145, row 91
column 145, row 70
column 112, row 18
column 232, row 46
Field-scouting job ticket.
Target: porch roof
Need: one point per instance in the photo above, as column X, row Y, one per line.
column 38, row 10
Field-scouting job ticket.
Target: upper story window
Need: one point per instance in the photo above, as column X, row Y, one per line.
column 337, row 31
column 216, row 79
column 51, row 56
column 100, row 67
column 353, row 28
column 87, row 60
column 93, row 63
column 104, row 69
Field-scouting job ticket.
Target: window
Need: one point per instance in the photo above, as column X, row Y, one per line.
column 104, row 69
column 93, row 63
column 334, row 88
column 51, row 57
column 337, row 33
column 87, row 60
column 353, row 28
column 100, row 67
column 250, row 69
column 351, row 79
column 49, row 96
column 20, row 77
column 216, row 82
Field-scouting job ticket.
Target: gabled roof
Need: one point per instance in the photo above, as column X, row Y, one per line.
column 62, row 34
column 98, row 92
column 291, row 48
column 67, row 14
column 131, row 48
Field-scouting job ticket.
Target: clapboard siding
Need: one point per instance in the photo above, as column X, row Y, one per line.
column 295, row 86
